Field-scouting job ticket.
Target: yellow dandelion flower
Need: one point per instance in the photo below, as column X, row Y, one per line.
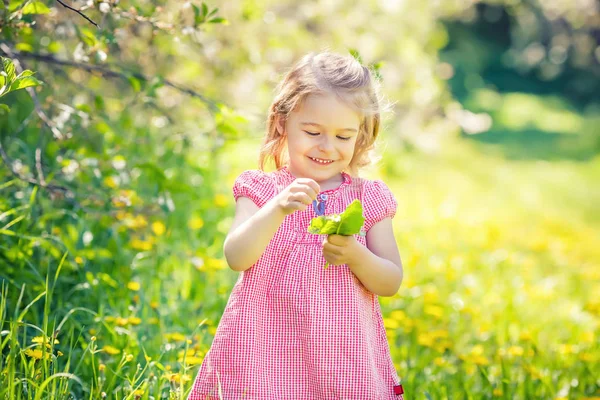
column 79, row 260
column 110, row 182
column 135, row 320
column 497, row 392
column 135, row 286
column 480, row 360
column 587, row 337
column 138, row 392
column 154, row 304
column 111, row 350
column 93, row 338
column 391, row 323
column 92, row 331
column 398, row 315
column 178, row 378
column 220, row 200
column 122, row 321
column 101, row 367
column 148, row 358
column 526, row 336
column 516, row 351
column 434, row 311
column 175, row 337
column 425, row 339
column 129, row 357
column 158, row 228
column 439, row 361
column 141, row 245
column 35, row 353
column 196, row 223
column 477, row 350
column 59, row 353
column 153, row 321
column 41, row 339
column 193, row 360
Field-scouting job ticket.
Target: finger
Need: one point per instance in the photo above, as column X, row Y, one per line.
column 298, row 205
column 332, row 249
column 310, row 183
column 338, row 240
column 302, row 198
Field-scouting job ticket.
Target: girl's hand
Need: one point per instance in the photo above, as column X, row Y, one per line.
column 338, row 249
column 298, row 195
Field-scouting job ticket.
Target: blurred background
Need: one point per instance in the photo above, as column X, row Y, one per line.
column 123, row 125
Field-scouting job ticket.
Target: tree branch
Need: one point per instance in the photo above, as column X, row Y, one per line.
column 78, row 12
column 105, row 72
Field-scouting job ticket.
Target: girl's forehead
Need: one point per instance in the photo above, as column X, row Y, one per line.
column 328, row 110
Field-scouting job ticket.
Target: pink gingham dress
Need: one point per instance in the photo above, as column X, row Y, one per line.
column 292, row 329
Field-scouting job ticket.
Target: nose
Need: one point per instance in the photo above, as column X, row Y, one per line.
column 325, row 144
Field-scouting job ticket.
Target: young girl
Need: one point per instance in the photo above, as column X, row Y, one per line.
column 293, row 329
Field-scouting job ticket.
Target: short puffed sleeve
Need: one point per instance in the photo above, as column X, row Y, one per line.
column 255, row 185
column 378, row 203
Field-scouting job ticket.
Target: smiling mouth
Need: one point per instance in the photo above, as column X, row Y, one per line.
column 321, row 161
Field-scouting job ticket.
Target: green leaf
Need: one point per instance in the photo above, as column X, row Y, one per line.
column 135, row 83
column 347, row 223
column 26, row 47
column 198, row 18
column 204, row 9
column 219, row 20
column 352, row 219
column 213, row 12
column 4, row 109
column 25, row 82
column 36, row 7
column 356, row 55
column 25, row 73
column 9, row 68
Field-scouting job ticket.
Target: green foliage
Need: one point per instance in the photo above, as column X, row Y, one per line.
column 10, row 81
column 116, row 172
column 347, row 223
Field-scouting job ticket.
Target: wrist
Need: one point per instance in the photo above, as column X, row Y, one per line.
column 356, row 252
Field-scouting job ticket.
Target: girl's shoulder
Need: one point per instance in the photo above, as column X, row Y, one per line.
column 378, row 201
column 257, row 185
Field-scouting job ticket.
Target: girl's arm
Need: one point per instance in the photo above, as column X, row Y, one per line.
column 251, row 231
column 253, row 227
column 378, row 266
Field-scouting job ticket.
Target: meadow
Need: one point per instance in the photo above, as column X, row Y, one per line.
column 499, row 299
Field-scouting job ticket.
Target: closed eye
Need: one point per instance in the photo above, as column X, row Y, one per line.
column 317, row 134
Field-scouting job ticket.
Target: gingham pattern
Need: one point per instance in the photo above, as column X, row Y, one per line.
column 292, row 329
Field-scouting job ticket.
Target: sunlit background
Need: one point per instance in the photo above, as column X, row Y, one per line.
column 117, row 173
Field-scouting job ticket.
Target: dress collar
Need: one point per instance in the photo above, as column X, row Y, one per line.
column 346, row 178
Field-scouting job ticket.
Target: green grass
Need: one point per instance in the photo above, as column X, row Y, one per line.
column 502, row 272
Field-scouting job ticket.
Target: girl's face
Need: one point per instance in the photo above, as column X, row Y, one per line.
column 321, row 136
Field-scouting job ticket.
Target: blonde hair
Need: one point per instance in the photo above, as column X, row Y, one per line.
column 326, row 72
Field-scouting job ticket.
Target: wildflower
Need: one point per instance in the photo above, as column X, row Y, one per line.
column 111, row 350
column 196, row 223
column 175, row 337
column 41, row 339
column 135, row 286
column 515, row 351
column 220, row 200
column 129, row 357
column 35, row 353
column 158, row 228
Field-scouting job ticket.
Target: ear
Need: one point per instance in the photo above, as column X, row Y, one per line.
column 280, row 124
